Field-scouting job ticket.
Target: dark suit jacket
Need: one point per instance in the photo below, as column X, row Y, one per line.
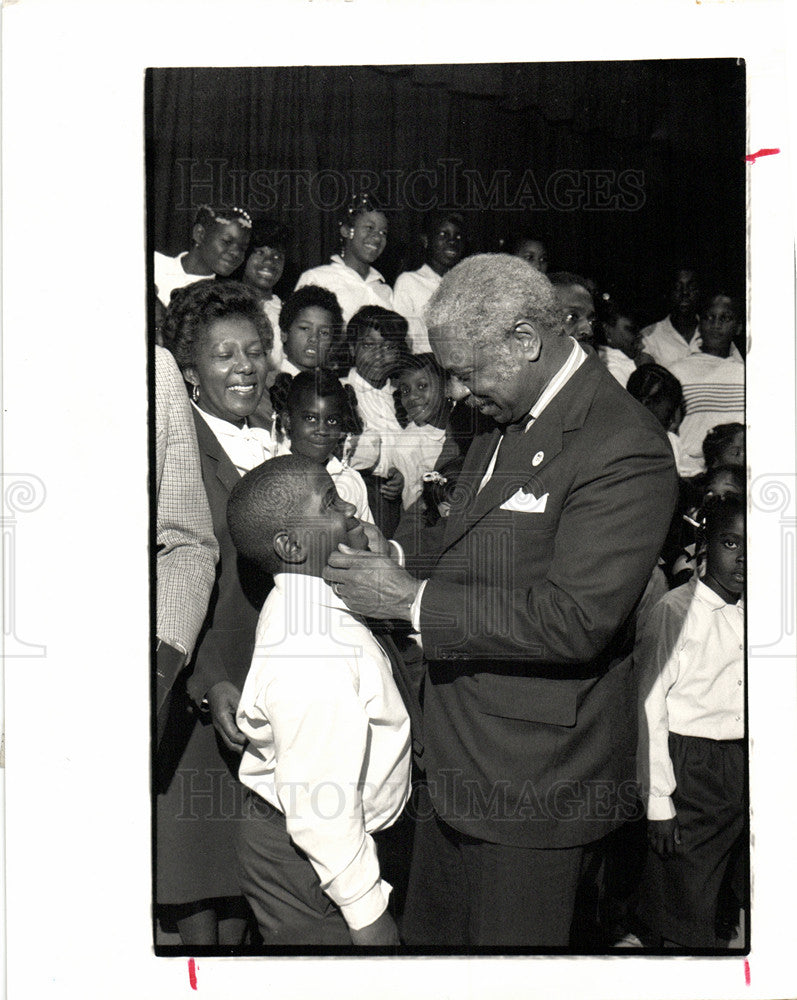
column 226, row 642
column 529, row 715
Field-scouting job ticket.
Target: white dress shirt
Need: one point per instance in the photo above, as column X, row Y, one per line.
column 272, row 308
column 412, row 291
column 618, row 363
column 352, row 291
column 713, row 391
column 245, row 446
column 417, row 451
column 665, row 345
column 377, row 411
column 329, row 738
column 689, row 657
column 168, row 274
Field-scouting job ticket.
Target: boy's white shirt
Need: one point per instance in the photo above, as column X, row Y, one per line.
column 329, row 738
column 689, row 659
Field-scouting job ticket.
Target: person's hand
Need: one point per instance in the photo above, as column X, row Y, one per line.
column 370, row 584
column 393, row 485
column 377, row 542
column 664, row 835
column 382, row 933
column 223, row 701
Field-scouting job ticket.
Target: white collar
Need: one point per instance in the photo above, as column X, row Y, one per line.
column 312, row 591
column 219, row 426
column 713, row 600
column 373, row 276
column 575, row 360
column 357, row 381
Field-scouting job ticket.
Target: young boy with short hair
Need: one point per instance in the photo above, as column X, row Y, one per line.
column 328, row 758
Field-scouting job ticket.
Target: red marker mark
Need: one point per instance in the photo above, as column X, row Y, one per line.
column 752, row 157
column 192, row 973
column 746, row 973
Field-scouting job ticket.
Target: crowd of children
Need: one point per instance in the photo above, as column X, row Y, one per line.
column 341, row 421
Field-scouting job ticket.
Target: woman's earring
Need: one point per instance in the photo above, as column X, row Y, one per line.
column 195, row 393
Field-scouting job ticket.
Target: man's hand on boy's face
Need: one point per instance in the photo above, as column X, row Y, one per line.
column 370, row 584
column 223, row 701
column 664, row 835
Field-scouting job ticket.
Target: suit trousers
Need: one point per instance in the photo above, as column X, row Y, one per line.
column 469, row 892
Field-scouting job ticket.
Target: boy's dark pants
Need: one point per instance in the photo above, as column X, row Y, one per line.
column 679, row 893
column 281, row 885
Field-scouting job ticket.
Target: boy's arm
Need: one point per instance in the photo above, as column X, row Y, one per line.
column 656, row 662
column 321, row 739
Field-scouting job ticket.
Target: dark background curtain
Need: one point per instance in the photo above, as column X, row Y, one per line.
column 623, row 168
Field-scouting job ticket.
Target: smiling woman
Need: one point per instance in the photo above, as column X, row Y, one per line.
column 221, row 339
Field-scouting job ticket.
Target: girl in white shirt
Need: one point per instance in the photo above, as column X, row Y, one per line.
column 220, row 238
column 691, row 755
column 350, row 274
column 421, row 400
column 621, row 351
column 443, row 245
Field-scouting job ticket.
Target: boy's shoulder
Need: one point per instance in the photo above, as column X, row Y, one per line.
column 673, row 607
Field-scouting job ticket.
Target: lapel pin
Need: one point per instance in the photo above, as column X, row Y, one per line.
column 538, row 458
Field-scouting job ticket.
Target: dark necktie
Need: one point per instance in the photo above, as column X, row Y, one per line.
column 382, row 635
column 511, row 446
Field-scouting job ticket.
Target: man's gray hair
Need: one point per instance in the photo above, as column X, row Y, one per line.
column 487, row 294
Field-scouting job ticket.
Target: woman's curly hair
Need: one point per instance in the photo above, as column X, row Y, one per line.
column 195, row 306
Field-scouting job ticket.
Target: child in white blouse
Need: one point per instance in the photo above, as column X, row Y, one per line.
column 691, row 756
column 350, row 274
column 327, row 764
column 443, row 248
column 219, row 240
column 421, row 400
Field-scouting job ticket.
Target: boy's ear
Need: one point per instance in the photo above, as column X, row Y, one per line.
column 198, row 233
column 424, row 241
column 289, row 548
column 285, row 420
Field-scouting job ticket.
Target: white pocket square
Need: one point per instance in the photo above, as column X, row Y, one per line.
column 526, row 503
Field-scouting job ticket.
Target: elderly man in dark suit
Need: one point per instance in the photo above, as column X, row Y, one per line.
column 526, row 620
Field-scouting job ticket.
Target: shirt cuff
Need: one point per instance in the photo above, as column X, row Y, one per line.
column 367, row 908
column 397, row 552
column 660, row 807
column 415, row 608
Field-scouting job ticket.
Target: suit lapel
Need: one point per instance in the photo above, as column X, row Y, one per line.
column 473, row 469
column 517, row 469
column 209, row 447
